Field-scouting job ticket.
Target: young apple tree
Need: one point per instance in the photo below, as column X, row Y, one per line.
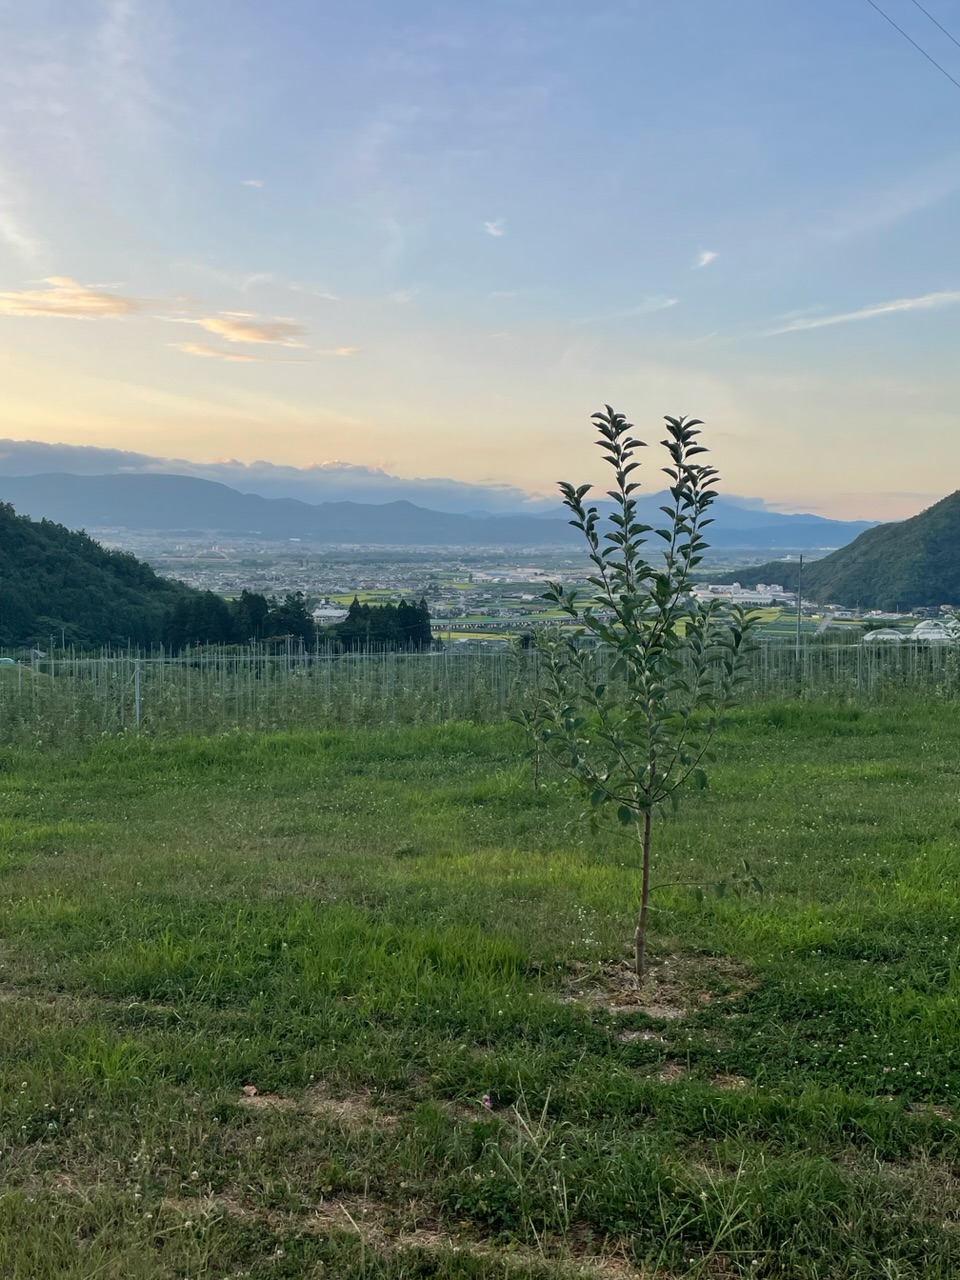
column 629, row 700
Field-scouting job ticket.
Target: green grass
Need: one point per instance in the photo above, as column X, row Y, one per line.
column 376, row 929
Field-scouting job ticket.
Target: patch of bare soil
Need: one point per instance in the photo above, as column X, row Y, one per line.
column 252, row 1097
column 12, row 994
column 730, row 1083
column 940, row 1110
column 630, row 1036
column 934, row 1183
column 66, row 1184
column 355, row 1111
column 464, row 1112
column 383, row 1229
column 673, row 988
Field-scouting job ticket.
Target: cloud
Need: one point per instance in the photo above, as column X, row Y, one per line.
column 211, row 353
column 647, row 307
column 132, row 38
column 19, row 239
column 257, row 280
column 244, row 326
column 927, row 302
column 13, row 230
column 66, row 299
column 876, row 210
column 705, row 257
column 338, row 351
column 496, row 228
column 502, row 293
column 296, row 287
column 372, row 147
column 251, row 182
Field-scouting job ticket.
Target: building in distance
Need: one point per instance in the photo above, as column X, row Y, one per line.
column 763, row 593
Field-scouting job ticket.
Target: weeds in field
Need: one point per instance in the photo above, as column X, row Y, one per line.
column 183, row 918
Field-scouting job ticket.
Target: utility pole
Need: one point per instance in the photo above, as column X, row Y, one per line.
column 799, row 603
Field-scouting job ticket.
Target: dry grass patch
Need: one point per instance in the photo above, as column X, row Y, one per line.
column 385, row 1229
column 629, row 1035
column 940, row 1110
column 252, row 1097
column 673, row 989
column 355, row 1111
column 731, row 1083
column 934, row 1183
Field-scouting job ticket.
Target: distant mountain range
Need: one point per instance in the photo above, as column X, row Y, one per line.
column 899, row 566
column 152, row 501
column 740, row 522
column 184, row 503
column 320, row 482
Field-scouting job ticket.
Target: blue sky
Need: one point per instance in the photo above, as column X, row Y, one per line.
column 435, row 237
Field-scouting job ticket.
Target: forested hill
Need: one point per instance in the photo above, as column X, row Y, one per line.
column 893, row 566
column 55, row 582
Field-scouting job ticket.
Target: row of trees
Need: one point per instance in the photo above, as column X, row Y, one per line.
column 207, row 618
column 385, row 626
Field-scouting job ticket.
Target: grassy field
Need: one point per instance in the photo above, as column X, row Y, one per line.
column 254, row 991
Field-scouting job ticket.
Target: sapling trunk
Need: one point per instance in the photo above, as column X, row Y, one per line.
column 640, row 937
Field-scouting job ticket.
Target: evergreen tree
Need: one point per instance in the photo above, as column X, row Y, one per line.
column 291, row 618
column 384, row 627
column 250, row 614
column 176, row 628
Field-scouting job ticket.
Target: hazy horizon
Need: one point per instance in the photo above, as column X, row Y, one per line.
column 334, row 480
column 432, row 240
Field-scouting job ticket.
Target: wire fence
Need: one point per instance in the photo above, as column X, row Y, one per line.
column 65, row 698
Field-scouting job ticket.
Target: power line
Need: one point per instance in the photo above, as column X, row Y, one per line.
column 927, row 13
column 918, row 47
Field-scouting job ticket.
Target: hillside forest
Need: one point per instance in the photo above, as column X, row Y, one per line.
column 57, row 582
column 63, row 585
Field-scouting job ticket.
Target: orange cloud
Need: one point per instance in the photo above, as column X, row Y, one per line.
column 66, row 299
column 242, row 326
column 211, row 353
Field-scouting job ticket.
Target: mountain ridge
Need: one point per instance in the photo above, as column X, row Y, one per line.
column 343, row 481
column 164, row 502
column 897, row 566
